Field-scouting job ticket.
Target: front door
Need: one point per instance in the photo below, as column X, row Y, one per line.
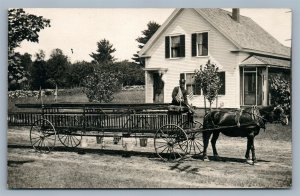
column 252, row 86
column 158, row 88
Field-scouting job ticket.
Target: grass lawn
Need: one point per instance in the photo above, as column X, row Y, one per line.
column 77, row 96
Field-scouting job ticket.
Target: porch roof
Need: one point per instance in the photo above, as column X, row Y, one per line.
column 156, row 69
column 255, row 60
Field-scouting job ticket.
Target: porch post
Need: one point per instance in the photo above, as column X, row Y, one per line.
column 243, row 87
column 267, row 86
column 256, row 86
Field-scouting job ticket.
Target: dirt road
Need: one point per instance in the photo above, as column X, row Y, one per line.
column 107, row 168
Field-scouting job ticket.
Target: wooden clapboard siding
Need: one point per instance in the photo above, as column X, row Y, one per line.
column 188, row 22
column 148, row 91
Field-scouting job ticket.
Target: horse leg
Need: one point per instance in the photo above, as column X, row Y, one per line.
column 253, row 152
column 206, row 135
column 248, row 148
column 213, row 143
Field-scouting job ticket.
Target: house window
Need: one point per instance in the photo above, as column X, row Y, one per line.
column 200, row 44
column 222, row 80
column 190, row 83
column 175, row 46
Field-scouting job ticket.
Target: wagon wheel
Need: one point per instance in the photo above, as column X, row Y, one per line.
column 68, row 137
column 171, row 143
column 195, row 143
column 42, row 136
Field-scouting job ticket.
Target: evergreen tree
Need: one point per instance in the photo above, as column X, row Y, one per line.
column 146, row 35
column 104, row 52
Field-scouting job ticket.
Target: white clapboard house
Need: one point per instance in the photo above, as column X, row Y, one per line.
column 246, row 54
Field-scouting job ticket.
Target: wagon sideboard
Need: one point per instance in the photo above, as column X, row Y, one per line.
column 97, row 119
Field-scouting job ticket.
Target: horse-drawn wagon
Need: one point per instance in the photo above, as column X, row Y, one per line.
column 175, row 133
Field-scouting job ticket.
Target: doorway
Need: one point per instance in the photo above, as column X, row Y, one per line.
column 158, row 88
column 252, row 80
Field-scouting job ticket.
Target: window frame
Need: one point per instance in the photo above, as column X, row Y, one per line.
column 193, row 84
column 196, row 44
column 181, row 47
column 170, row 47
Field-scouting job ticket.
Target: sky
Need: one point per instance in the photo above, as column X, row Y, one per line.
column 81, row 29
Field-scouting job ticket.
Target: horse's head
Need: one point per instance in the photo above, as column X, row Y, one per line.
column 279, row 115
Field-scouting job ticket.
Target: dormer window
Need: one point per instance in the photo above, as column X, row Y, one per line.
column 175, row 46
column 200, row 44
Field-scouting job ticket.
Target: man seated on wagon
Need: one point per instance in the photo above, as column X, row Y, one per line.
column 179, row 98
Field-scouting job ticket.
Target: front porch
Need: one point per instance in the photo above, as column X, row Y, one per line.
column 255, row 75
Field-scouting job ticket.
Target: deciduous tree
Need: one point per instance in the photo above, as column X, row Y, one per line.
column 56, row 67
column 38, row 71
column 21, row 26
column 207, row 78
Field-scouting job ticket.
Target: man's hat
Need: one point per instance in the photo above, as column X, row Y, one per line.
column 182, row 81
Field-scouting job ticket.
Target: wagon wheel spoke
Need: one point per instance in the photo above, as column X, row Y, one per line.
column 34, row 143
column 195, row 139
column 37, row 147
column 42, row 136
column 199, row 145
column 175, row 151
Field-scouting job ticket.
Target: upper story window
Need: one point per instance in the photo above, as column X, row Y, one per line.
column 175, row 46
column 200, row 44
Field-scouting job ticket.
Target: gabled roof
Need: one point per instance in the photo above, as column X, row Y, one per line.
column 246, row 35
column 255, row 60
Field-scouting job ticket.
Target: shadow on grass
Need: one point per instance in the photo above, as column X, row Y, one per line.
column 17, row 163
column 127, row 154
column 83, row 151
column 226, row 159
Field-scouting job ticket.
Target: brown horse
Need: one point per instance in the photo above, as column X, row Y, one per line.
column 246, row 122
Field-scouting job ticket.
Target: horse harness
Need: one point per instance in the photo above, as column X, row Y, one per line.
column 238, row 113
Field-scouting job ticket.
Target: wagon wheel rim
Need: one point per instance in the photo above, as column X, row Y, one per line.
column 195, row 142
column 43, row 136
column 171, row 143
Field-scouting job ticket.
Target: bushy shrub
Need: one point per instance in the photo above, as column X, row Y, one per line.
column 280, row 89
column 101, row 85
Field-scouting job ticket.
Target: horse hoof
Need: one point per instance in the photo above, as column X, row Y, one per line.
column 249, row 161
column 205, row 159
